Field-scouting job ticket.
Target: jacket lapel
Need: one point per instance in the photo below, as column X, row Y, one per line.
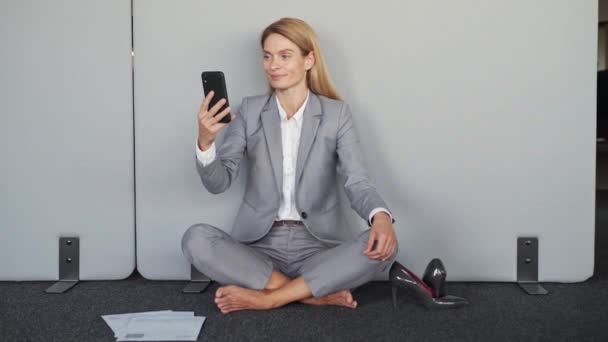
column 310, row 122
column 271, row 121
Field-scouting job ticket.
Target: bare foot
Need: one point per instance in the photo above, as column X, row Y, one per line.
column 233, row 298
column 340, row 298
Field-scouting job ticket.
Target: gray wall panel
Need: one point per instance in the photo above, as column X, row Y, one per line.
column 66, row 137
column 477, row 121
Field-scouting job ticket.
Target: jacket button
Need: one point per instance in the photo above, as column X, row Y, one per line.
column 304, row 215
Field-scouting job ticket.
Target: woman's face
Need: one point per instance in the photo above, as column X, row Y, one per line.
column 284, row 64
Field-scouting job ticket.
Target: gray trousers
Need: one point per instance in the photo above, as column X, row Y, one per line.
column 290, row 249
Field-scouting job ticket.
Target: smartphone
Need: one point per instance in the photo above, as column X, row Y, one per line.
column 214, row 80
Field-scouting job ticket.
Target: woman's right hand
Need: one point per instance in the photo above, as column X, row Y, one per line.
column 208, row 124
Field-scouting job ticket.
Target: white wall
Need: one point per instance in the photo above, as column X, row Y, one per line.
column 66, row 137
column 477, row 122
column 476, row 119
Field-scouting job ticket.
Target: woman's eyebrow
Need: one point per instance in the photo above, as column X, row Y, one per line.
column 284, row 50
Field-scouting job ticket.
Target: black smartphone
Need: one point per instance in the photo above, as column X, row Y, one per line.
column 214, row 80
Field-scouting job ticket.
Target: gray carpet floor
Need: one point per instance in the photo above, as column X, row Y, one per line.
column 499, row 311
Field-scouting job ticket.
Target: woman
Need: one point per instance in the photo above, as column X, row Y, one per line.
column 285, row 245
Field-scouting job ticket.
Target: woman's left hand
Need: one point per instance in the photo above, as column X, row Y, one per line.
column 382, row 231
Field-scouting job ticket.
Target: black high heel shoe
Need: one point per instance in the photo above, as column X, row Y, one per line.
column 402, row 277
column 434, row 277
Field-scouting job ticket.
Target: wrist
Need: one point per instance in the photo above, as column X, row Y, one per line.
column 203, row 145
column 381, row 216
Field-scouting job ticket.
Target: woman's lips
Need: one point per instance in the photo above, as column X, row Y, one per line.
column 277, row 77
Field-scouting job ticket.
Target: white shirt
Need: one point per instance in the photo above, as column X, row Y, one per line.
column 290, row 136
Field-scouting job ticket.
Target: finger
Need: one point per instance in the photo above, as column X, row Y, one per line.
column 380, row 247
column 210, row 121
column 370, row 242
column 389, row 250
column 213, row 110
column 219, row 116
column 387, row 247
column 206, row 101
column 206, row 120
column 218, row 126
column 203, row 114
column 393, row 249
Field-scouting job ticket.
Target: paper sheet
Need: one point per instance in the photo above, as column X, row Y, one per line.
column 166, row 325
column 162, row 328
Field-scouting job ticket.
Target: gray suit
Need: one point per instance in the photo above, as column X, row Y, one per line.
column 328, row 145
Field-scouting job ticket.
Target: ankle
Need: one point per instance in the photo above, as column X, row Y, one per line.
column 276, row 281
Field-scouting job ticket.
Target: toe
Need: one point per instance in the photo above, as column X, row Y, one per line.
column 230, row 288
column 230, row 308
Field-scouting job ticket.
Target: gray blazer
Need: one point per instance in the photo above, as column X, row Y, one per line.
column 328, row 145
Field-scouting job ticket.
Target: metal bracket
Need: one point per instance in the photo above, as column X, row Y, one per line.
column 69, row 265
column 198, row 281
column 527, row 266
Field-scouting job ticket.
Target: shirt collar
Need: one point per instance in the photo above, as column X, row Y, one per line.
column 299, row 113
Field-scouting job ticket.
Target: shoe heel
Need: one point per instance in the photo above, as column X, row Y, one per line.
column 435, row 276
column 394, row 296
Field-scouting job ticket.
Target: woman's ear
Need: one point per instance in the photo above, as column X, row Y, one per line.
column 309, row 60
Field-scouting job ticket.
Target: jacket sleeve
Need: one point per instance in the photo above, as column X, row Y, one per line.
column 360, row 191
column 220, row 173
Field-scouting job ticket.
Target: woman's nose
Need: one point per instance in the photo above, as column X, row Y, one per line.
column 274, row 64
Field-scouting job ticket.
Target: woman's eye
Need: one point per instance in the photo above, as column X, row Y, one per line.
column 285, row 56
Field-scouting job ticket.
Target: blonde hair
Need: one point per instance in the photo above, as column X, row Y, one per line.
column 301, row 34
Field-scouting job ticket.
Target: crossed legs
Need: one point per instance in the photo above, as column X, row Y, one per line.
column 256, row 284
column 279, row 290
